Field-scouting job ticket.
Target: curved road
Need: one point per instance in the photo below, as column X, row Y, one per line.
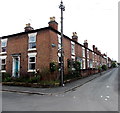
column 100, row 94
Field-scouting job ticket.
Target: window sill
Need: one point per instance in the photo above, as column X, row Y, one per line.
column 3, row 71
column 73, row 53
column 32, row 49
column 3, row 53
column 31, row 71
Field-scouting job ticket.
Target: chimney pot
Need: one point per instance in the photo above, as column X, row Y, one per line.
column 28, row 27
column 53, row 23
column 75, row 37
column 86, row 43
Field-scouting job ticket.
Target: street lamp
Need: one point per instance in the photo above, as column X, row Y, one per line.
column 62, row 7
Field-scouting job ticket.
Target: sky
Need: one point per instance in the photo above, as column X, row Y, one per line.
column 93, row 20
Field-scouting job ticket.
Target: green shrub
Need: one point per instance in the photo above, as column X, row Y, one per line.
column 7, row 79
column 49, row 82
column 20, row 79
column 72, row 74
column 77, row 65
column 104, row 67
column 34, row 79
column 99, row 68
column 53, row 66
column 113, row 65
column 74, row 68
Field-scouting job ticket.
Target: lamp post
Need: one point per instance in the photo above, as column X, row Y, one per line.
column 62, row 7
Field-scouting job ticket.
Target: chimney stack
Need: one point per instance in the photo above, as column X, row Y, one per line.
column 75, row 37
column 53, row 23
column 94, row 48
column 28, row 27
column 86, row 43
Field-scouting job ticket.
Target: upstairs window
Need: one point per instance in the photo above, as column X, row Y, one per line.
column 59, row 43
column 72, row 48
column 93, row 56
column 32, row 41
column 83, row 61
column 88, row 63
column 3, row 45
column 83, row 52
column 87, row 53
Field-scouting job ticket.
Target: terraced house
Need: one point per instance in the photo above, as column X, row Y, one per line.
column 23, row 53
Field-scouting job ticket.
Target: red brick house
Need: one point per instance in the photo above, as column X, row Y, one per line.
column 23, row 53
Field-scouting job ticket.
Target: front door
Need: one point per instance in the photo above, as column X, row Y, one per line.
column 16, row 67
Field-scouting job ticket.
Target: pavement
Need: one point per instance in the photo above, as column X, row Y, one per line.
column 55, row 90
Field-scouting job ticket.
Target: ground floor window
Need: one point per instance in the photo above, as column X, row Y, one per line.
column 31, row 61
column 91, row 64
column 81, row 62
column 84, row 64
column 3, row 63
column 88, row 63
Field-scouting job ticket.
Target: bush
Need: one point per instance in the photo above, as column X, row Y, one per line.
column 20, row 79
column 72, row 74
column 113, row 65
column 49, row 82
column 6, row 77
column 77, row 65
column 53, row 66
column 34, row 79
column 104, row 67
column 99, row 68
column 74, row 68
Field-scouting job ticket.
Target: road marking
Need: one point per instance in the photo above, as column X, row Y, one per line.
column 101, row 96
column 107, row 86
column 108, row 96
column 106, row 99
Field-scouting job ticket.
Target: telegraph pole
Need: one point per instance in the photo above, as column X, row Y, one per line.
column 62, row 7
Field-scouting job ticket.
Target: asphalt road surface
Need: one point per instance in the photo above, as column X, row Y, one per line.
column 100, row 94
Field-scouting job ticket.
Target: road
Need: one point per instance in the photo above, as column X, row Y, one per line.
column 100, row 94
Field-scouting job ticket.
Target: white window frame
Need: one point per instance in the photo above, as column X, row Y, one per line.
column 33, row 35
column 73, row 58
column 80, row 60
column 72, row 48
column 83, row 52
column 1, row 58
column 88, row 63
column 91, row 64
column 31, row 55
column 84, row 66
column 93, row 57
column 59, row 39
column 4, row 40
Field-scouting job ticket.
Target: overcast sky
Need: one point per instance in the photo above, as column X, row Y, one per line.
column 94, row 20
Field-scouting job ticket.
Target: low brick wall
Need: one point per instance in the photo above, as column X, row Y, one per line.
column 87, row 72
